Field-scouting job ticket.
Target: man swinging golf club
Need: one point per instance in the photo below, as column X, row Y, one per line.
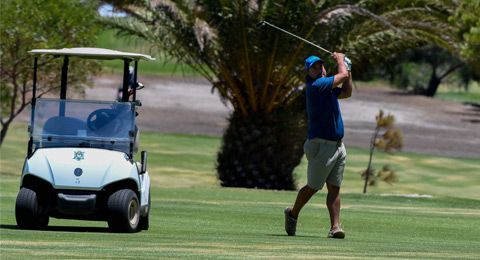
column 324, row 148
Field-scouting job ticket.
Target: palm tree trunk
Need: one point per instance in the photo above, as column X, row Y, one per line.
column 262, row 150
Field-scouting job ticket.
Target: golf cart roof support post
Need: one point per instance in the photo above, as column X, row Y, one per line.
column 63, row 86
column 34, row 90
column 34, row 101
column 135, row 81
column 130, row 155
column 126, row 65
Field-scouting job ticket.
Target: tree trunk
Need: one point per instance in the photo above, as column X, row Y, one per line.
column 433, row 85
column 9, row 120
column 262, row 150
column 435, row 80
column 3, row 132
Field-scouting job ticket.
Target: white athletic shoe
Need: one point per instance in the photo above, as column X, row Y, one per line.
column 336, row 232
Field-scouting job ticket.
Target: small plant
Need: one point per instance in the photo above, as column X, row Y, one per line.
column 387, row 141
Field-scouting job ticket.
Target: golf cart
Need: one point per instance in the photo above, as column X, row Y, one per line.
column 80, row 154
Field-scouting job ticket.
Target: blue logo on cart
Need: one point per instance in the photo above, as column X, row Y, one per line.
column 78, row 172
column 79, row 155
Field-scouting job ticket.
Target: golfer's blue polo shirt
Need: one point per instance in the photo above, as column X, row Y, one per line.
column 325, row 119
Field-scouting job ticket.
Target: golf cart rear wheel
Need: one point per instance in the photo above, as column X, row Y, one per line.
column 30, row 211
column 124, row 211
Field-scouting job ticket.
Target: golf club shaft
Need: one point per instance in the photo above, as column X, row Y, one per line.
column 291, row 34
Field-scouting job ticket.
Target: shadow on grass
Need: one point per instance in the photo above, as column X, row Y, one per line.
column 285, row 235
column 64, row 229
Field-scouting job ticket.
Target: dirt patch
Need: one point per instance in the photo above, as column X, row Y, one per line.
column 187, row 106
column 430, row 126
column 172, row 105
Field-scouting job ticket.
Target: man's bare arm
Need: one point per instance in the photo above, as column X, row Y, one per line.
column 342, row 74
column 346, row 87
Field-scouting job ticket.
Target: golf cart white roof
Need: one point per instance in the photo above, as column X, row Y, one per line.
column 92, row 53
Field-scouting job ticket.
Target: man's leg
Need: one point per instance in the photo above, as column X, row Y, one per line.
column 333, row 205
column 291, row 215
column 304, row 195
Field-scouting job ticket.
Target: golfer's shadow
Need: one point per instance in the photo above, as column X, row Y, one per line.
column 285, row 235
column 64, row 229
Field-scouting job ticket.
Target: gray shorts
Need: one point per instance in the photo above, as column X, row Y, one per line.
column 326, row 162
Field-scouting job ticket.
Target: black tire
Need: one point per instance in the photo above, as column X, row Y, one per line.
column 124, row 211
column 145, row 220
column 30, row 211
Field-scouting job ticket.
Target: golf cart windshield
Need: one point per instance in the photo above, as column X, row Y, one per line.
column 82, row 123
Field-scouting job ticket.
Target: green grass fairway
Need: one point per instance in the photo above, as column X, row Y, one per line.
column 461, row 95
column 193, row 218
column 160, row 67
column 215, row 223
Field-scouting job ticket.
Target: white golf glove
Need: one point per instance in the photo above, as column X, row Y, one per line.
column 348, row 62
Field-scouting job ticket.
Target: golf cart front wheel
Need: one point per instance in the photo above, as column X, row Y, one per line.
column 145, row 220
column 30, row 211
column 124, row 211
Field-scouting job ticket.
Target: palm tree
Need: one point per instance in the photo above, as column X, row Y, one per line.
column 260, row 72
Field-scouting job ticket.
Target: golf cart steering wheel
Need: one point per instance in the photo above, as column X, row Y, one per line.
column 99, row 119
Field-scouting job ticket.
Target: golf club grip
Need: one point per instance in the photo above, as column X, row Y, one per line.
column 347, row 61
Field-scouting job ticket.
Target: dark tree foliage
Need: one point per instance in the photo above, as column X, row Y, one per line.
column 41, row 24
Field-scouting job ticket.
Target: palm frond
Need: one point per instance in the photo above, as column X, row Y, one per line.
column 258, row 69
column 355, row 9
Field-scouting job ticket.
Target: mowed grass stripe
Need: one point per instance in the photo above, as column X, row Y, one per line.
column 181, row 251
column 364, row 208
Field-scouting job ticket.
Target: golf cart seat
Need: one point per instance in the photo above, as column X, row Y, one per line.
column 64, row 125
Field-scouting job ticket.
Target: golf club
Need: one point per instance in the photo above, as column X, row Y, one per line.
column 291, row 34
column 346, row 60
